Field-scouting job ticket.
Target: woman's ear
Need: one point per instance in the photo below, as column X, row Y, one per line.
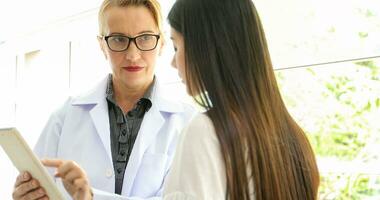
column 102, row 46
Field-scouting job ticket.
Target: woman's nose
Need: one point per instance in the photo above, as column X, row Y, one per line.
column 132, row 53
column 173, row 63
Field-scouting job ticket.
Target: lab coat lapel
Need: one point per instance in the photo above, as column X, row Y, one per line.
column 147, row 133
column 98, row 113
column 100, row 118
column 153, row 123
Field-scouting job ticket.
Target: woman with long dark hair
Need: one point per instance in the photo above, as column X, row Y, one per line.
column 246, row 145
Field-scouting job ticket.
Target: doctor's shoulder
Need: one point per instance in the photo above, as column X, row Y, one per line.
column 83, row 100
column 73, row 106
column 58, row 115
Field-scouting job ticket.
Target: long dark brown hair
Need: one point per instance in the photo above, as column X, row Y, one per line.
column 266, row 154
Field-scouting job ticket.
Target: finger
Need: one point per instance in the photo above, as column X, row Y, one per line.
column 81, row 184
column 34, row 195
column 74, row 174
column 56, row 163
column 82, row 189
column 25, row 188
column 22, row 177
column 89, row 194
column 67, row 167
column 52, row 162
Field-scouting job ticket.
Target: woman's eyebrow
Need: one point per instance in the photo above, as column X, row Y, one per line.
column 146, row 31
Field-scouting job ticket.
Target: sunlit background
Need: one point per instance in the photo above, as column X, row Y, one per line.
column 325, row 53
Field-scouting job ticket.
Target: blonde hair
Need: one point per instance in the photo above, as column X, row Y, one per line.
column 152, row 5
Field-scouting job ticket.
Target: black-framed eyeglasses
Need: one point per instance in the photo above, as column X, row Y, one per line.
column 144, row 42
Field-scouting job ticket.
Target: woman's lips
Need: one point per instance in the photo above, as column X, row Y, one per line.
column 133, row 68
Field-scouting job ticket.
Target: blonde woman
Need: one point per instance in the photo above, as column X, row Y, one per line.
column 123, row 132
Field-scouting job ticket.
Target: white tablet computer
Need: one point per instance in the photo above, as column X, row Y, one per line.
column 24, row 159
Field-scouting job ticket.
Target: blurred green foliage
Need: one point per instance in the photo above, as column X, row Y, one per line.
column 339, row 108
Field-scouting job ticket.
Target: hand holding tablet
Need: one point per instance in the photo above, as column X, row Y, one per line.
column 24, row 159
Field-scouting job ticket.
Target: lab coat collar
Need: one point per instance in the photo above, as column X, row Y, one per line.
column 98, row 95
column 153, row 121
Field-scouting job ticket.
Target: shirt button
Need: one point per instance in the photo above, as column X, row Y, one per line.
column 109, row 173
column 130, row 114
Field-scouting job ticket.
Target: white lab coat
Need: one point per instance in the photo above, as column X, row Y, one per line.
column 80, row 131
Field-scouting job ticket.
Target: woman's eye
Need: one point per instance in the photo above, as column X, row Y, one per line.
column 146, row 37
column 119, row 39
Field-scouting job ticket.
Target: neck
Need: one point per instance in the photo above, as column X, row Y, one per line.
column 127, row 97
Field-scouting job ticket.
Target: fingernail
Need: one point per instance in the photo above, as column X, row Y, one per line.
column 34, row 183
column 25, row 176
column 41, row 191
